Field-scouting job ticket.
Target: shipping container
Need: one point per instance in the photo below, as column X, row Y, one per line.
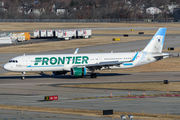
column 65, row 34
column 73, row 33
column 59, row 34
column 50, row 33
column 83, row 33
column 37, row 34
column 43, row 33
column 56, row 33
column 86, row 33
column 79, row 33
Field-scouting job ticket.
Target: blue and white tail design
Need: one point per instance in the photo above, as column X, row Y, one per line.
column 156, row 43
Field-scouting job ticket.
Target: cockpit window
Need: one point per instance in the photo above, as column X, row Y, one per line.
column 13, row 61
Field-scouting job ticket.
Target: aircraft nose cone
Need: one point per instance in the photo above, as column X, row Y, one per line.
column 6, row 66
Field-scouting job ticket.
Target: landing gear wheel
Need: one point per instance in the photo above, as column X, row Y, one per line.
column 22, row 78
column 93, row 75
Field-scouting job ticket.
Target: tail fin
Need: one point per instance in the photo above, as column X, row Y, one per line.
column 156, row 43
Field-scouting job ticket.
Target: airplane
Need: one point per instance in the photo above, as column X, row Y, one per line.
column 80, row 64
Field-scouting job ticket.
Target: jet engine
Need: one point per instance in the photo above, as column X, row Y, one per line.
column 78, row 71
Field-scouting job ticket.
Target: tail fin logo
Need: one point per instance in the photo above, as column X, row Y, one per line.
column 158, row 38
column 158, row 43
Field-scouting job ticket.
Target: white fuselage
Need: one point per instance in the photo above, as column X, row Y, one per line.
column 64, row 62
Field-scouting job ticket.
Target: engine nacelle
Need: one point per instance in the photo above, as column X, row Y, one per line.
column 59, row 72
column 78, row 71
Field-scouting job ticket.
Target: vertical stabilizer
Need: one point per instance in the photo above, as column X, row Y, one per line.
column 156, row 43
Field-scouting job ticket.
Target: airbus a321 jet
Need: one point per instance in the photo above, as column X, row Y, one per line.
column 80, row 64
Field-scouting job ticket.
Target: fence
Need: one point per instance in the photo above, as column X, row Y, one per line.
column 88, row 20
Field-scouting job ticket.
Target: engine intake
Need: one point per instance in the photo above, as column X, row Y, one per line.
column 78, row 72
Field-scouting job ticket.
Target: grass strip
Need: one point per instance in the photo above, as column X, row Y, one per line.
column 155, row 86
column 94, row 113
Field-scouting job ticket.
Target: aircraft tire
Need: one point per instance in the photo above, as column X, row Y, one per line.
column 93, row 75
column 22, row 78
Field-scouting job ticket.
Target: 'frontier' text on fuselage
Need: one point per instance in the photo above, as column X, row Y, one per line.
column 61, row 60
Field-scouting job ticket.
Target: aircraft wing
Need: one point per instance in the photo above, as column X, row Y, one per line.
column 102, row 64
column 105, row 64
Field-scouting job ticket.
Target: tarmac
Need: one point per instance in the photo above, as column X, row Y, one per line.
column 26, row 115
column 31, row 91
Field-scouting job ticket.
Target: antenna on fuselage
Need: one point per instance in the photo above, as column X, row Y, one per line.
column 111, row 51
column 24, row 54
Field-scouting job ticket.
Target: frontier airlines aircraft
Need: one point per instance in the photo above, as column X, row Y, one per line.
column 80, row 64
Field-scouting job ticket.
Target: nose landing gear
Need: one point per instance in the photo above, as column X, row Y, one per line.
column 23, row 76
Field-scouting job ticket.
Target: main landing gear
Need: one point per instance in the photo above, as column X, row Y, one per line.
column 93, row 75
column 23, row 76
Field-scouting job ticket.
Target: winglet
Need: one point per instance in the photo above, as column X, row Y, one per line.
column 76, row 51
